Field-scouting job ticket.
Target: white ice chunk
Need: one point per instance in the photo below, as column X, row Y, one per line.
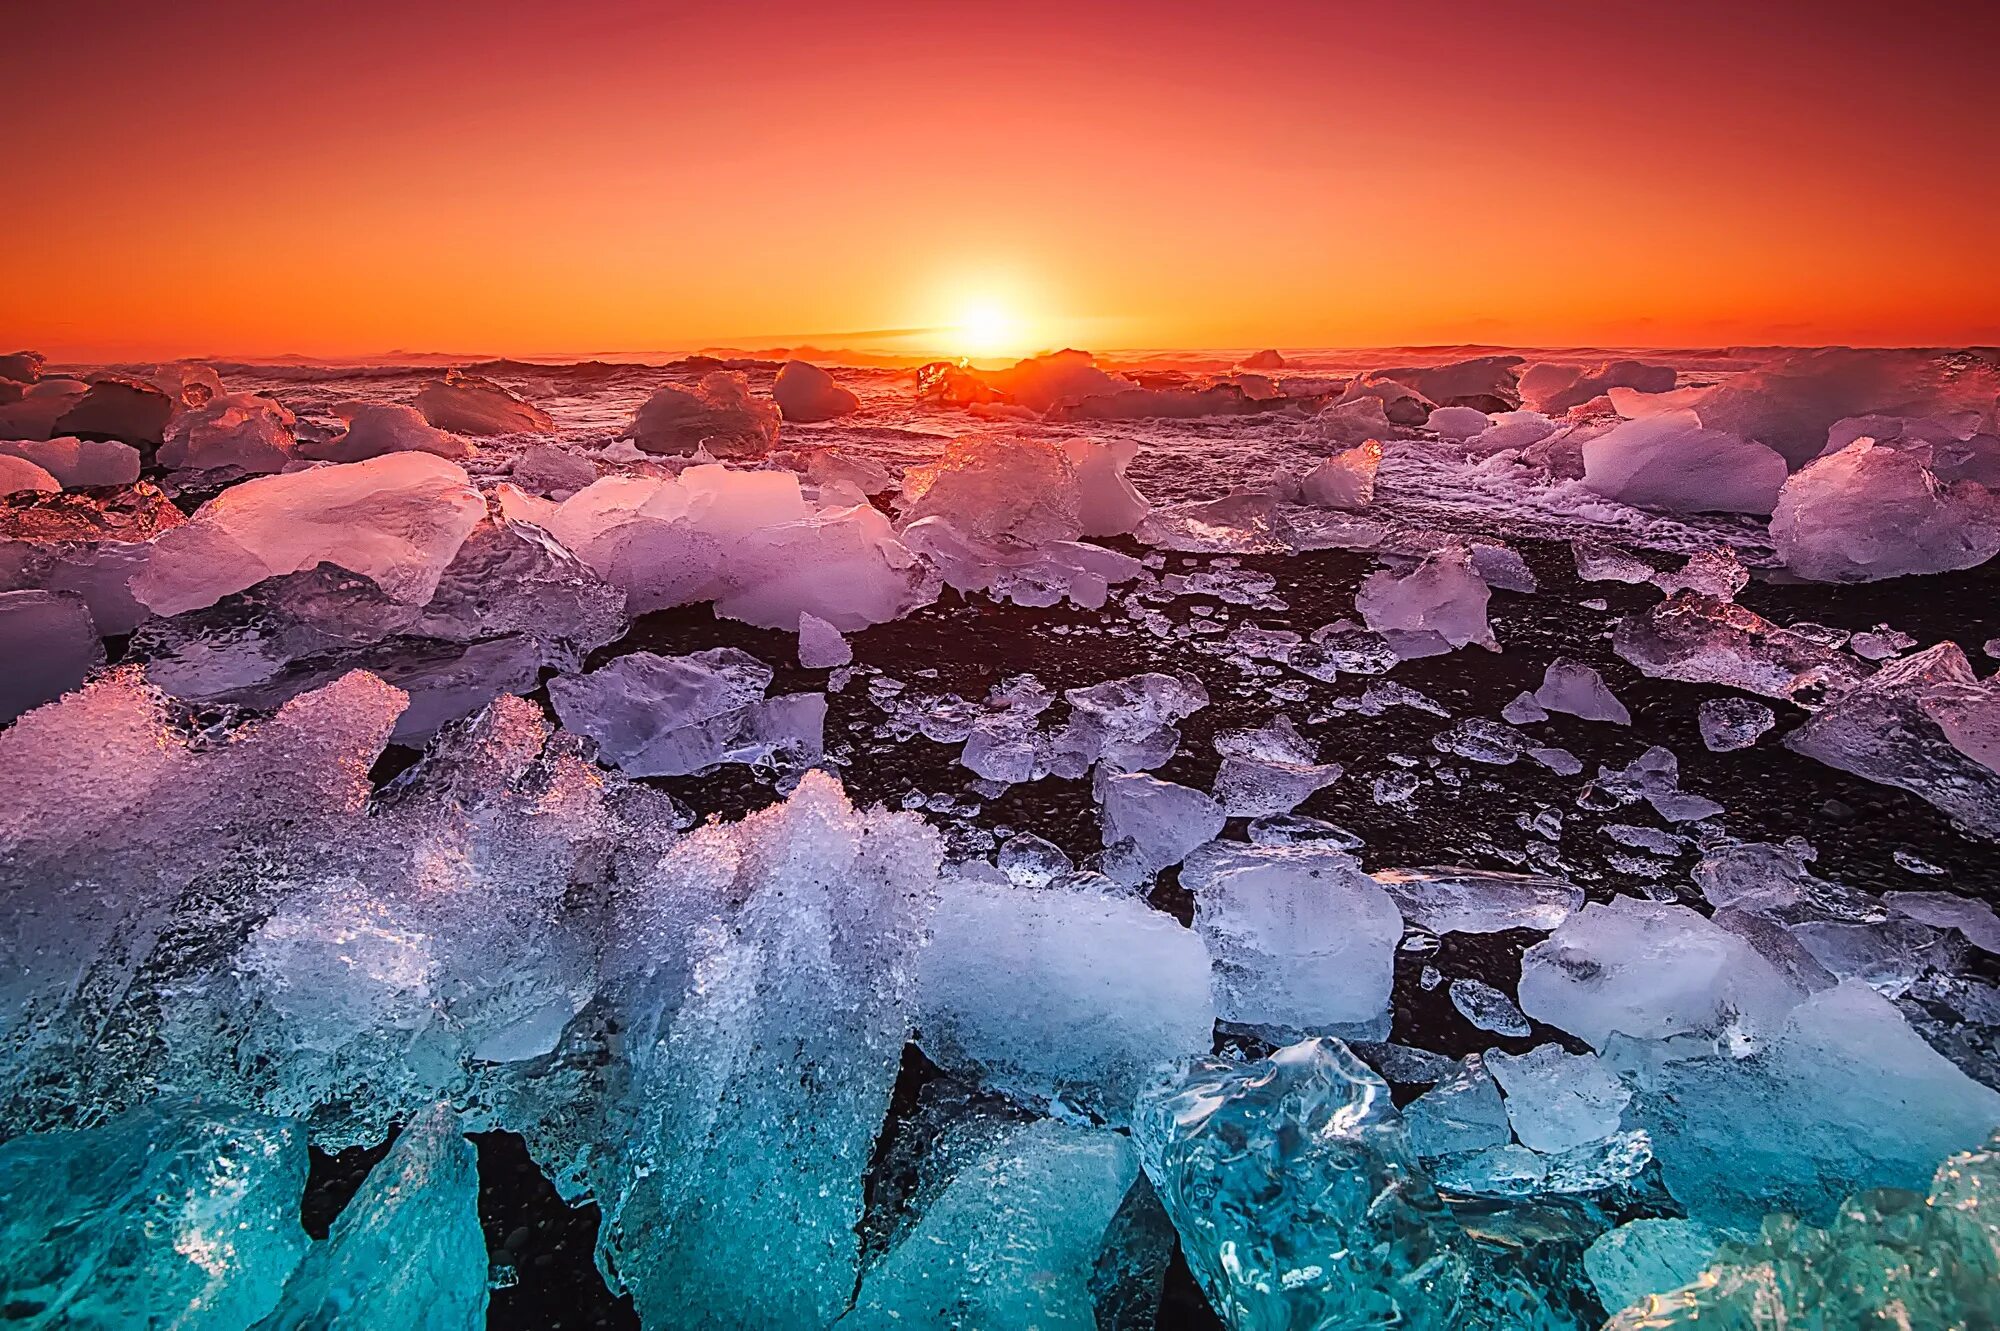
column 1302, row 939
column 469, row 404
column 1436, row 607
column 1269, row 770
column 74, row 463
column 671, row 715
column 375, row 428
column 820, row 644
column 1345, row 480
column 1729, row 724
column 1150, row 824
column 1577, row 689
column 1870, row 512
column 396, row 520
column 1670, row 462
column 1650, row 970
column 1559, row 1101
column 1049, row 994
column 1479, row 901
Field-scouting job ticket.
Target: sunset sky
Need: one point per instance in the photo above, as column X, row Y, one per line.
column 535, row 179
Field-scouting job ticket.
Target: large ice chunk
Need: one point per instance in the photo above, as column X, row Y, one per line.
column 754, row 1106
column 805, row 392
column 1022, row 489
column 465, row 403
column 407, row 1250
column 1302, row 940
column 1049, row 994
column 240, row 431
column 718, row 415
column 1843, row 1095
column 1912, row 725
column 375, row 428
column 1298, row 1200
column 1891, row 1257
column 1107, row 503
column 76, row 463
column 1559, row 1101
column 1150, row 824
column 1554, row 388
column 1436, row 607
column 20, row 476
column 1699, row 640
column 657, row 715
column 1572, row 687
column 1650, row 970
column 396, row 520
column 116, row 407
column 1345, row 480
column 178, row 1214
column 1870, row 512
column 1670, row 462
column 49, row 644
column 1011, row 1244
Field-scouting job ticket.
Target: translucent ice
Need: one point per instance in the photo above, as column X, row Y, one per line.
column 395, row 520
column 1049, row 994
column 469, row 404
column 1559, row 1101
column 77, row 463
column 805, row 392
column 1843, row 1095
column 1269, row 770
column 1021, row 489
column 1461, row 1112
column 1728, row 724
column 1947, row 910
column 753, row 1107
column 1906, row 726
column 1571, row 686
column 407, row 1250
column 1302, row 940
column 671, row 715
column 1479, row 901
column 1011, row 1243
column 1643, row 1257
column 50, row 645
column 375, row 428
column 1699, row 640
column 1870, row 512
column 1670, row 462
column 718, row 415
column 1890, row 1257
column 1550, row 387
column 1488, row 1008
column 236, row 430
column 1433, row 608
column 820, row 644
column 178, row 1214
column 1298, row 1200
column 1650, row 970
column 118, row 408
column 1152, row 824
column 20, row 476
column 1345, row 480
column 1108, row 505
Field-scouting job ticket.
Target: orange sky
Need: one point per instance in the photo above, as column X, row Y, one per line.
column 241, row 179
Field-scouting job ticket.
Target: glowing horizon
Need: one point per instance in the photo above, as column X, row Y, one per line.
column 242, row 183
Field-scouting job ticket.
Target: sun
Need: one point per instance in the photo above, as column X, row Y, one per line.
column 986, row 328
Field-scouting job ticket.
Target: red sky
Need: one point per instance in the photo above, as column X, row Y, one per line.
column 242, row 179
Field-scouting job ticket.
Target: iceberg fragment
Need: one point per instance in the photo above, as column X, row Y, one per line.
column 463, row 403
column 718, row 416
column 806, row 393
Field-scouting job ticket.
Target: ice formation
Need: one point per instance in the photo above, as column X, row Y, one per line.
column 1869, row 512
column 396, row 520
column 719, row 416
column 1346, row 1229
column 1269, row 770
column 672, row 715
column 1436, row 607
column 1670, row 462
column 375, row 428
column 749, row 541
column 368, row 833
column 1061, row 995
column 19, row 475
column 806, row 393
column 463, row 403
column 240, row 431
column 1301, row 938
column 50, row 645
column 75, row 463
column 1923, row 723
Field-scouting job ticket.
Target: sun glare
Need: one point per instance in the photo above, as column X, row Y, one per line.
column 986, row 328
